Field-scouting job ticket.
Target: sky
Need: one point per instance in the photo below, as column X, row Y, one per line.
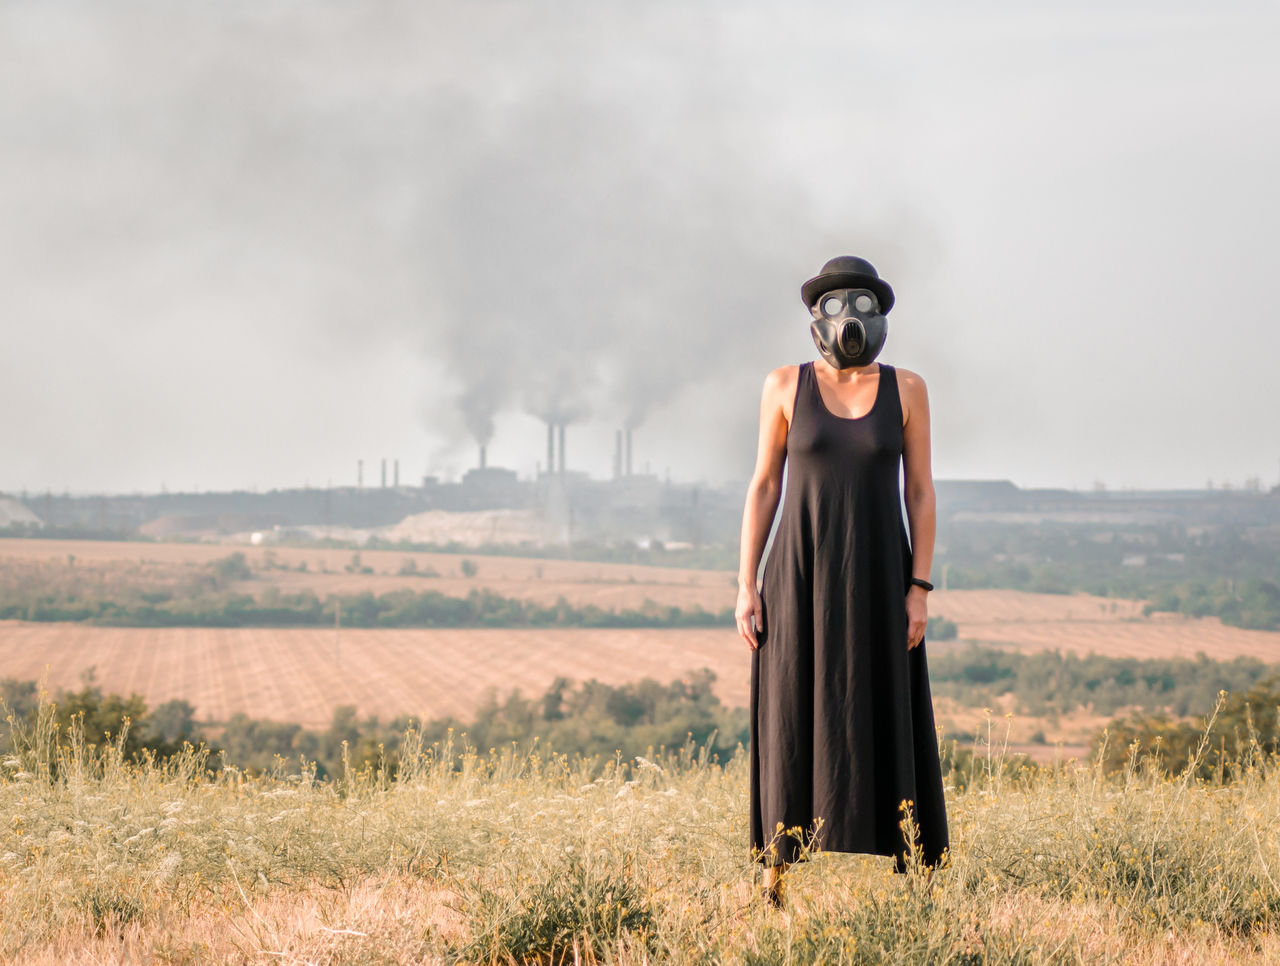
column 246, row 244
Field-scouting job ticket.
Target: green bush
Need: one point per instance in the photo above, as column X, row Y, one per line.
column 941, row 629
column 589, row 718
column 1243, row 728
column 233, row 567
column 569, row 901
column 399, row 608
column 1047, row 682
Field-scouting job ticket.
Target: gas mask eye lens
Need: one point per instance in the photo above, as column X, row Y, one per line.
column 831, row 306
column 863, row 303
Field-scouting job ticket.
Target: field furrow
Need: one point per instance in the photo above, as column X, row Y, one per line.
column 291, row 674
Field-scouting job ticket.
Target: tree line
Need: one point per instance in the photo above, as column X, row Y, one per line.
column 588, row 718
column 1223, row 573
column 205, row 599
column 596, row 719
column 1053, row 682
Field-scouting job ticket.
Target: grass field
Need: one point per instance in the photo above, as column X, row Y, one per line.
column 542, row 859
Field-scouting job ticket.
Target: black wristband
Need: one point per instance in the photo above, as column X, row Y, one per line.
column 921, row 582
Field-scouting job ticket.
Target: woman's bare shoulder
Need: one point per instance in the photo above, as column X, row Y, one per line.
column 909, row 377
column 782, row 377
column 913, row 393
column 780, row 391
column 780, row 386
column 912, row 384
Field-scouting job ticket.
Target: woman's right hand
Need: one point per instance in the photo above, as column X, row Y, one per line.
column 749, row 614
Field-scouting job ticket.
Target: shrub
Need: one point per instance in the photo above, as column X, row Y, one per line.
column 233, row 567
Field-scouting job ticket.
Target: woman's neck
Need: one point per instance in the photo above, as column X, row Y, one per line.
column 852, row 373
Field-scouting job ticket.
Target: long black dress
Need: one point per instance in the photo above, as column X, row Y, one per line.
column 841, row 716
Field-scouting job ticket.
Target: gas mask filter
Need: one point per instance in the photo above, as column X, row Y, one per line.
column 848, row 327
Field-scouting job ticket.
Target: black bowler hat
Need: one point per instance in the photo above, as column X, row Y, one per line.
column 848, row 271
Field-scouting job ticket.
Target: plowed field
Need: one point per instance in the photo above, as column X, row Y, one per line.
column 302, row 674
column 606, row 585
column 293, row 674
column 1081, row 623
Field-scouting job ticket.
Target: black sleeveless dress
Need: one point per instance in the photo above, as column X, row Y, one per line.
column 842, row 722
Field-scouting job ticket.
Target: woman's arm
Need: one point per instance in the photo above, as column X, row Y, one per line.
column 762, row 500
column 919, row 497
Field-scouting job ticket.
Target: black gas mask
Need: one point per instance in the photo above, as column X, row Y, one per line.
column 848, row 327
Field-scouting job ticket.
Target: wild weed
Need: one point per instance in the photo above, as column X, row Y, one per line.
column 527, row 854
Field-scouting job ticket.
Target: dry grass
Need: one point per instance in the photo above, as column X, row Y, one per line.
column 544, row 859
column 1066, row 735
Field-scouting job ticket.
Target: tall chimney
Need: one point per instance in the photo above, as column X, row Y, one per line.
column 628, row 451
column 384, row 472
column 617, row 456
column 560, row 465
column 551, row 447
column 359, row 473
column 482, row 456
column 397, row 476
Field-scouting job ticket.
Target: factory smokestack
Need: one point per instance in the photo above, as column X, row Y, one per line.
column 482, row 456
column 560, row 465
column 397, row 473
column 384, row 472
column 617, row 456
column 551, row 447
column 628, row 451
column 359, row 474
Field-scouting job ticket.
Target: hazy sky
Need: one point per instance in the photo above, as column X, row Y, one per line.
column 248, row 243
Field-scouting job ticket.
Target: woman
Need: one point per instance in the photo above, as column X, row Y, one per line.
column 843, row 746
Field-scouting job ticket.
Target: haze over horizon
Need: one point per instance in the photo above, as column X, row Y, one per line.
column 248, row 244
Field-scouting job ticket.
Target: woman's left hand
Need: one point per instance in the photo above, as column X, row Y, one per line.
column 917, row 615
